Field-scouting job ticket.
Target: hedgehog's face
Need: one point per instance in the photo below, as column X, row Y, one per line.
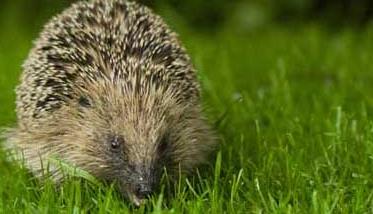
column 133, row 165
column 128, row 142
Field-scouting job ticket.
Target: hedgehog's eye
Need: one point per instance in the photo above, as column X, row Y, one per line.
column 116, row 142
column 163, row 144
column 84, row 102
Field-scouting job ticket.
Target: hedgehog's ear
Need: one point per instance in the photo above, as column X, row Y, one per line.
column 84, row 102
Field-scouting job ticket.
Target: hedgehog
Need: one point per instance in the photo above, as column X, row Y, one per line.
column 109, row 89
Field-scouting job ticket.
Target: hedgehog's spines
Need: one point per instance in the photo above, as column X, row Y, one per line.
column 89, row 40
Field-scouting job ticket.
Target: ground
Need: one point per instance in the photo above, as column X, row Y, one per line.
column 292, row 107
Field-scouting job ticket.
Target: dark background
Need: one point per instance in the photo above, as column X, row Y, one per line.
column 209, row 16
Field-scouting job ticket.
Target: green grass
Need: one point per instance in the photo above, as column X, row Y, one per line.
column 293, row 108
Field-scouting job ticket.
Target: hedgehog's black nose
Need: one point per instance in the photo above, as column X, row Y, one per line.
column 143, row 190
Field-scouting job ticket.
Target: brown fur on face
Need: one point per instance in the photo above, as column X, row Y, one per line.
column 109, row 89
column 157, row 132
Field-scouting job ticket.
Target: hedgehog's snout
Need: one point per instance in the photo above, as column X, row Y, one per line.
column 143, row 184
column 142, row 190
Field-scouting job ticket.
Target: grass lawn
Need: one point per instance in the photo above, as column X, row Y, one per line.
column 293, row 108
